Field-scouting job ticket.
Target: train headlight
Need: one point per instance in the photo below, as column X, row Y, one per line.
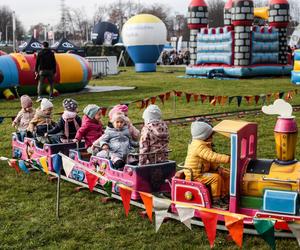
column 188, row 195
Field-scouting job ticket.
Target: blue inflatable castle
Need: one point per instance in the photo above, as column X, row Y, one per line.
column 239, row 49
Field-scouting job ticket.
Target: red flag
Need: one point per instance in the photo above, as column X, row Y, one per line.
column 235, row 227
column 219, row 98
column 178, row 93
column 203, row 98
column 91, row 180
column 126, row 195
column 210, row 223
column 141, row 104
column 188, row 97
column 153, row 99
column 257, row 99
column 196, row 97
column 147, row 200
column 103, row 111
column 247, row 99
column 168, row 94
column 14, row 164
column 162, row 98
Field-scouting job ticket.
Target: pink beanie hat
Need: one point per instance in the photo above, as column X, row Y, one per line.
column 26, row 101
column 117, row 109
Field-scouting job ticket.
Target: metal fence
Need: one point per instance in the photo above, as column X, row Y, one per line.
column 99, row 65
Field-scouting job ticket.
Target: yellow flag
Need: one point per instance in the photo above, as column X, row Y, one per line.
column 43, row 161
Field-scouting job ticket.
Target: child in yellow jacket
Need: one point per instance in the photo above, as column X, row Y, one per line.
column 202, row 163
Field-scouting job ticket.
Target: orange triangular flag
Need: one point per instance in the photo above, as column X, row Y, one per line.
column 210, row 223
column 147, row 102
column 219, row 98
column 125, row 195
column 147, row 200
column 235, row 227
column 196, row 97
column 224, row 100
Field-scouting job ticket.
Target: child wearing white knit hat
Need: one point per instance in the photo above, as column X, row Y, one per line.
column 42, row 122
column 203, row 164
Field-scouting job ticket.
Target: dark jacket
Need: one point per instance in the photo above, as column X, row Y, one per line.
column 45, row 61
column 60, row 127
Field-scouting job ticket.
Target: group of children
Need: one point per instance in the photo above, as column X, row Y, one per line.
column 116, row 142
column 120, row 138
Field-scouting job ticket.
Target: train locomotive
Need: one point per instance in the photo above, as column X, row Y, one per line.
column 259, row 188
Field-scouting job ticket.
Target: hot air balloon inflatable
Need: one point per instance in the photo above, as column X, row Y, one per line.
column 17, row 71
column 144, row 37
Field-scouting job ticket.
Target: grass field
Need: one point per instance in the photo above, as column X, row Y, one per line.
column 27, row 202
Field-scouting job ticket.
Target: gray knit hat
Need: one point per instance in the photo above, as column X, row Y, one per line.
column 152, row 114
column 91, row 110
column 201, row 130
column 70, row 104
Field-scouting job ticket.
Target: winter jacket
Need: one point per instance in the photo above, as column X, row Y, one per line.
column 201, row 159
column 90, row 131
column 60, row 127
column 154, row 138
column 45, row 61
column 118, row 141
column 23, row 119
column 41, row 123
column 133, row 131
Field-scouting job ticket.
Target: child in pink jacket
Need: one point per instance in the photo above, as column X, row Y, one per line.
column 91, row 128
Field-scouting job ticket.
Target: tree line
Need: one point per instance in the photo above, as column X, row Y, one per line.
column 78, row 24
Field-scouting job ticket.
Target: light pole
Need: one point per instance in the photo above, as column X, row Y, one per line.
column 6, row 33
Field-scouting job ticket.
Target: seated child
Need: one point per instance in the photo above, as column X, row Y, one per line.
column 91, row 127
column 134, row 132
column 154, row 137
column 68, row 123
column 204, row 163
column 42, row 123
column 116, row 141
column 24, row 116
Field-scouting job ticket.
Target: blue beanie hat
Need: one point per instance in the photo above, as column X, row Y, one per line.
column 91, row 110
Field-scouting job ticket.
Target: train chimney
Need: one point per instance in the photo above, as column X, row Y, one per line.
column 285, row 133
column 285, row 130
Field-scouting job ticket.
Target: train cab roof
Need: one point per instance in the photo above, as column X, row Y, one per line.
column 228, row 127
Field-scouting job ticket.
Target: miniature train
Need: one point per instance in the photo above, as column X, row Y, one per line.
column 258, row 188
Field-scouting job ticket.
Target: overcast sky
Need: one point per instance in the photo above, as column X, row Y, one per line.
column 31, row 12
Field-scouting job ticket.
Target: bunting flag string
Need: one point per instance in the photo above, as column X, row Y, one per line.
column 43, row 162
column 67, row 166
column 161, row 207
column 14, row 164
column 108, row 188
column 185, row 214
column 23, row 166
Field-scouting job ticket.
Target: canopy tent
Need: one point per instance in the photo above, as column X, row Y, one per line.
column 30, row 46
column 63, row 45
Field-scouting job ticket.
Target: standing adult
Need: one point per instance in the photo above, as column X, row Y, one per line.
column 45, row 68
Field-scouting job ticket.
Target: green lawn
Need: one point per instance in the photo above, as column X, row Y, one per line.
column 27, row 203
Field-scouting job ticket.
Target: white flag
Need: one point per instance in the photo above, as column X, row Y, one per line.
column 67, row 165
column 295, row 228
column 185, row 214
column 2, row 158
column 161, row 207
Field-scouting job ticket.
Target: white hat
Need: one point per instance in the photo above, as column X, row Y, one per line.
column 46, row 104
column 201, row 130
column 152, row 114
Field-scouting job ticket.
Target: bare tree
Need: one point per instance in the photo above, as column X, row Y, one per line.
column 6, row 25
column 216, row 13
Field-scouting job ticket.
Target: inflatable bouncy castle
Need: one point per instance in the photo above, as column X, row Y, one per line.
column 239, row 49
column 17, row 70
column 296, row 71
